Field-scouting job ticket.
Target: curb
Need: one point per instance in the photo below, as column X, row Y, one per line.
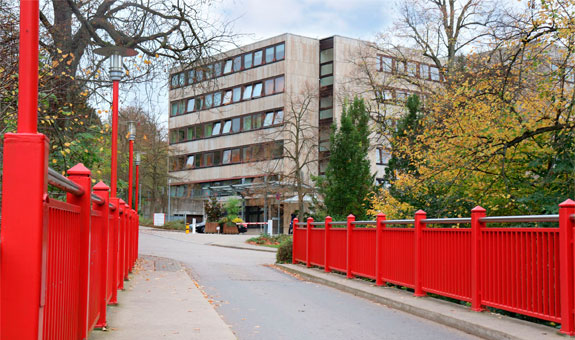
column 264, row 249
column 439, row 311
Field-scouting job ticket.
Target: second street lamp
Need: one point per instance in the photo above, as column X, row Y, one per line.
column 138, row 159
column 131, row 138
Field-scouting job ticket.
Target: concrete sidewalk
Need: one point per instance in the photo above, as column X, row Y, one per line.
column 485, row 324
column 161, row 301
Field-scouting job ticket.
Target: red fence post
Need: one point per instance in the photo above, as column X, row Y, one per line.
column 476, row 227
column 80, row 175
column 350, row 219
column 24, row 235
column 128, row 239
column 566, row 210
column 103, row 191
column 418, row 225
column 307, row 243
column 114, row 251
column 295, row 240
column 378, row 248
column 328, row 220
column 121, row 244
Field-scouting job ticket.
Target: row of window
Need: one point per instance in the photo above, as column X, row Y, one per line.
column 389, row 95
column 227, row 126
column 245, row 154
column 196, row 190
column 228, row 96
column 382, row 156
column 409, row 68
column 238, row 63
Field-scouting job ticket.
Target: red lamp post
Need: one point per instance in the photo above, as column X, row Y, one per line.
column 115, row 53
column 131, row 138
column 138, row 159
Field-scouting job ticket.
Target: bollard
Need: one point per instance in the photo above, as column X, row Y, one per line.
column 187, row 228
column 193, row 225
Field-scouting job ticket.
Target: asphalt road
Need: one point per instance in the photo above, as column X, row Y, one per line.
column 260, row 302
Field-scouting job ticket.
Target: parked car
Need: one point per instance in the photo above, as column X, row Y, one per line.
column 199, row 227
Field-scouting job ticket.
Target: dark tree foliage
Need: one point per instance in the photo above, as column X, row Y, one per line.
column 348, row 179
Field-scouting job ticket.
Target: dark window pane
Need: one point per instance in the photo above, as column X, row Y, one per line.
column 257, row 119
column 198, row 131
column 182, row 108
column 248, row 60
column 326, row 56
column 269, row 54
column 326, row 81
column 326, row 113
column 208, row 130
column 174, row 111
column 326, row 69
column 198, row 158
column 258, row 58
column 208, row 159
column 277, row 149
column 181, row 135
column 217, row 157
column 325, row 102
column 280, row 52
column 246, row 154
column 191, row 131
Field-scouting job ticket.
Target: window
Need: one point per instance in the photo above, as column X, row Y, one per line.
column 190, row 162
column 199, row 103
column 198, row 131
column 182, row 107
column 237, row 63
column 257, row 90
column 400, row 67
column 175, row 80
column 227, row 97
column 191, row 103
column 208, row 130
column 269, row 86
column 248, row 60
column 325, row 102
column 199, row 75
column 237, row 94
column 424, row 71
column 401, row 95
column 279, row 118
column 412, row 69
column 182, row 81
column 269, row 54
column 280, row 52
column 247, row 123
column 257, row 120
column 217, row 157
column 208, row 159
column 385, row 64
column 181, row 135
column 173, row 137
column 218, row 69
column 279, row 84
column 209, row 71
column 236, row 156
column 269, row 119
column 208, row 100
column 217, row 99
column 247, row 154
column 378, row 156
column 258, row 152
column 434, row 71
column 247, row 92
column 326, row 113
column 191, row 135
column 226, row 156
column 198, row 158
column 277, row 149
column 326, row 69
column 326, row 81
column 191, row 76
column 326, row 56
column 227, row 126
column 174, row 111
column 258, row 58
column 236, row 125
column 228, row 66
column 216, row 130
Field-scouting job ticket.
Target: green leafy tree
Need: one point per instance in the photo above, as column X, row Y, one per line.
column 348, row 179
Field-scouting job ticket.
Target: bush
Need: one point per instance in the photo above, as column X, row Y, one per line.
column 146, row 221
column 174, row 225
column 284, row 254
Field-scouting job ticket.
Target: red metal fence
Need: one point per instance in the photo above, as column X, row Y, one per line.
column 529, row 271
column 58, row 278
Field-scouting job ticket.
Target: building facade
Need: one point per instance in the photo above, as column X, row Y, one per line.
column 233, row 118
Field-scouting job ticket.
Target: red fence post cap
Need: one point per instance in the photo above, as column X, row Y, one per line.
column 310, row 219
column 350, row 216
column 381, row 215
column 122, row 202
column 420, row 212
column 478, row 209
column 567, row 204
column 79, row 170
column 101, row 186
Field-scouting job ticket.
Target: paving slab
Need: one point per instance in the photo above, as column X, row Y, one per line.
column 161, row 301
column 484, row 324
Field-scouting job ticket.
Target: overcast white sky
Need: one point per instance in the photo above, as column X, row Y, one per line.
column 259, row 19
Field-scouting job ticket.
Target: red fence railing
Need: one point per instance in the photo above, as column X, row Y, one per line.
column 529, row 271
column 85, row 253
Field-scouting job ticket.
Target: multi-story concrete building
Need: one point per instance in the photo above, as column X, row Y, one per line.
column 230, row 131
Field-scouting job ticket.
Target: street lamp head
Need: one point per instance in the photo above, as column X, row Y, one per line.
column 131, row 130
column 138, row 158
column 116, row 53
